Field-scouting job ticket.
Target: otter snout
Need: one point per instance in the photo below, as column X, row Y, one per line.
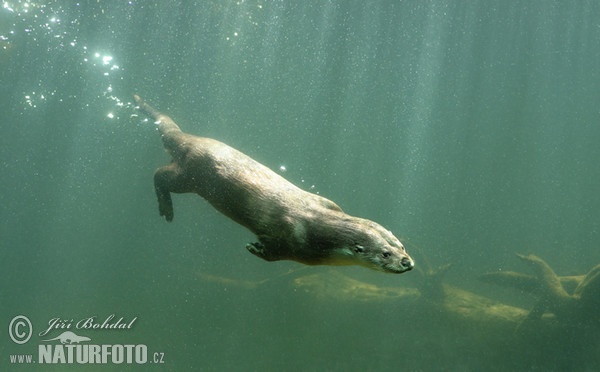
column 398, row 265
column 407, row 263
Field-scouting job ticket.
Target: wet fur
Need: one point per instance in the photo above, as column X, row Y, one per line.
column 290, row 223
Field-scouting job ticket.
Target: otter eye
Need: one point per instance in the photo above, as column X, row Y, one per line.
column 385, row 254
column 359, row 248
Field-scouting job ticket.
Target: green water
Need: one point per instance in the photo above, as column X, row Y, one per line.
column 468, row 128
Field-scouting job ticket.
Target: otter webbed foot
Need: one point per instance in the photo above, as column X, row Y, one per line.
column 263, row 251
column 164, row 178
column 260, row 250
column 165, row 207
column 165, row 204
column 257, row 249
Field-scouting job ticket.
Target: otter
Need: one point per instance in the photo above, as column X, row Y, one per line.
column 290, row 223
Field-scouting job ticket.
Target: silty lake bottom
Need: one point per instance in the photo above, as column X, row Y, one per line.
column 468, row 129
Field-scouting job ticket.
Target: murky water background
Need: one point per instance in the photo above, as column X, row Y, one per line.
column 469, row 129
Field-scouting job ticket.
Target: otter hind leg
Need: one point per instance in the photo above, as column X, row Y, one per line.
column 164, row 179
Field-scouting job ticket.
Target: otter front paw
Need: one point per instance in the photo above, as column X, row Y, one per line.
column 257, row 249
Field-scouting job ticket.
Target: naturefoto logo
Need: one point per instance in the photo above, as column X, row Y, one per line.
column 69, row 351
column 69, row 337
column 76, row 346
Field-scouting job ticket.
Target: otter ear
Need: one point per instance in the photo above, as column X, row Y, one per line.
column 359, row 248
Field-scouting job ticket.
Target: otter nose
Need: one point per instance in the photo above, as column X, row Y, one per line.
column 407, row 263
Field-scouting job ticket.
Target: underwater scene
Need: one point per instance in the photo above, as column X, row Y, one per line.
column 320, row 185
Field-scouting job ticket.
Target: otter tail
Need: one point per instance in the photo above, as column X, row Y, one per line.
column 166, row 126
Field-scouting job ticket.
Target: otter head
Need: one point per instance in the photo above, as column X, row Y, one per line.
column 377, row 248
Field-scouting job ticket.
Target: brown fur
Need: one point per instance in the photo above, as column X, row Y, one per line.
column 290, row 223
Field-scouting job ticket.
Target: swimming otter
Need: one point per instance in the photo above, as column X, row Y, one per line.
column 290, row 223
